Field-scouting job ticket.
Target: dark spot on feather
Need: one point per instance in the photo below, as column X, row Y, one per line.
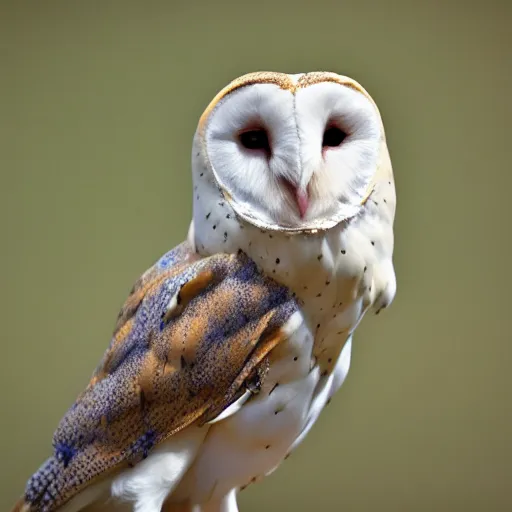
column 319, row 257
column 214, row 226
column 277, row 261
column 343, row 251
column 65, row 452
column 142, row 398
column 208, row 215
column 144, row 443
column 274, row 387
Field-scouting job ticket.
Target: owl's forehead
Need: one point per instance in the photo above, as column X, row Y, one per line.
column 287, row 82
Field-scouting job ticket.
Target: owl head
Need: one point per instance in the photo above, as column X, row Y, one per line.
column 292, row 153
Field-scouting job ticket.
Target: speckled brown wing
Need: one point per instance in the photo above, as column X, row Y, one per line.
column 190, row 335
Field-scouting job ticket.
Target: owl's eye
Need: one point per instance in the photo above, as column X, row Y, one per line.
column 255, row 139
column 333, row 137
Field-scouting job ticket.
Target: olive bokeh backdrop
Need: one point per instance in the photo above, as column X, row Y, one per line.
column 99, row 102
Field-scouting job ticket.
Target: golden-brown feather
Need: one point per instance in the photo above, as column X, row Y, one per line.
column 164, row 372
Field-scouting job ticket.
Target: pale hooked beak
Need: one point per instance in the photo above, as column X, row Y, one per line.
column 301, row 197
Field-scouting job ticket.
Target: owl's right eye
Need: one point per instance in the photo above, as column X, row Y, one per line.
column 255, row 139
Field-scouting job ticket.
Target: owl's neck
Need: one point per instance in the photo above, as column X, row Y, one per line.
column 306, row 264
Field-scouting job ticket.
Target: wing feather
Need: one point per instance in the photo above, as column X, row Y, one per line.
column 190, row 335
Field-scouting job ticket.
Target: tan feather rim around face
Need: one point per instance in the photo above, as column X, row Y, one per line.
column 285, row 82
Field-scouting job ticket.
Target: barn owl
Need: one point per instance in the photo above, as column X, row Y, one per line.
column 228, row 348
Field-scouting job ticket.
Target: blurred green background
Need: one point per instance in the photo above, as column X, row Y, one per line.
column 99, row 102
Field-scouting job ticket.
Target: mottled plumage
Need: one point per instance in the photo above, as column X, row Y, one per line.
column 229, row 347
column 189, row 338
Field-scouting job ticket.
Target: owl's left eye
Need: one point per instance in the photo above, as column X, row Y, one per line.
column 333, row 137
column 255, row 139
